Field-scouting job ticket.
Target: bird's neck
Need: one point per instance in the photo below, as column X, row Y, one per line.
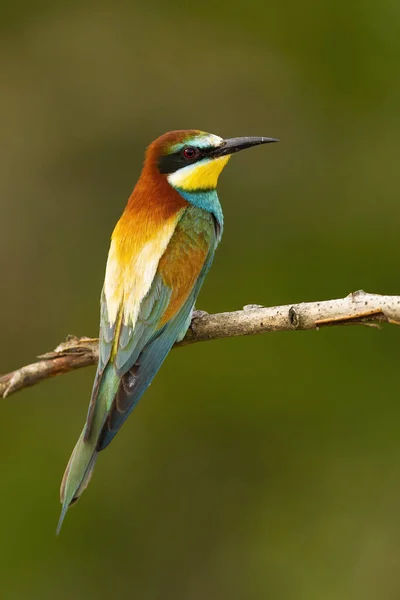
column 155, row 200
column 206, row 199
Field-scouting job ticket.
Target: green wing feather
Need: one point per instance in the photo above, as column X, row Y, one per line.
column 148, row 346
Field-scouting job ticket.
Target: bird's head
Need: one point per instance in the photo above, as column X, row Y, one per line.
column 192, row 160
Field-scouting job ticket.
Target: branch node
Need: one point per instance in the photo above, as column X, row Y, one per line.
column 252, row 307
column 294, row 318
column 355, row 295
column 198, row 314
column 15, row 383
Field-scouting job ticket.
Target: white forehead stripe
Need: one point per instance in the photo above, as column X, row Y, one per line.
column 204, row 140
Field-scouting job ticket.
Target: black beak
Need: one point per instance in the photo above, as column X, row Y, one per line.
column 233, row 145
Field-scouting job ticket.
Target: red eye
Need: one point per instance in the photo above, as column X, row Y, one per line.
column 191, row 153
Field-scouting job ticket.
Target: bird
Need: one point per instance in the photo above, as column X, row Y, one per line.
column 161, row 250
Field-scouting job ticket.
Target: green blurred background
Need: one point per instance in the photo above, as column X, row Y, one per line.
column 255, row 468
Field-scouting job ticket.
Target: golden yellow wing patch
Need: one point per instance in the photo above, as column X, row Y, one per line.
column 131, row 266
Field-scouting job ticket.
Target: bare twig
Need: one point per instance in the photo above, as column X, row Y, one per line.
column 357, row 308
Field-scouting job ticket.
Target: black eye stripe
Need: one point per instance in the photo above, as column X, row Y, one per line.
column 172, row 162
column 169, row 163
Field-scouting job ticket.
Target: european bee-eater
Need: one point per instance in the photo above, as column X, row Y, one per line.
column 161, row 250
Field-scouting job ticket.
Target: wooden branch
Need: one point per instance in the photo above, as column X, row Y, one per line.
column 357, row 308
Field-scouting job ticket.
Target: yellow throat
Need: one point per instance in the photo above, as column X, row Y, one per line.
column 199, row 176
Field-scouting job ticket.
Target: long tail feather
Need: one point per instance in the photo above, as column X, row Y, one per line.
column 83, row 458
